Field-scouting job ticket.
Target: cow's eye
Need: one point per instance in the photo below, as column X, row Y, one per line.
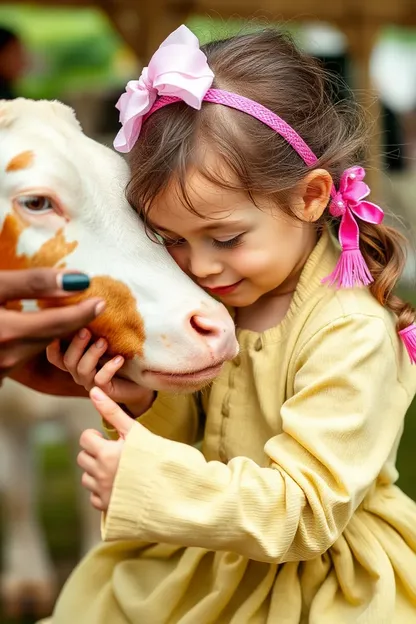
column 35, row 203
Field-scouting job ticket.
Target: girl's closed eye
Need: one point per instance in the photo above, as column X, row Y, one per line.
column 170, row 241
column 231, row 243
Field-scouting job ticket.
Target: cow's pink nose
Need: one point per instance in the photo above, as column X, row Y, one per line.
column 204, row 326
column 218, row 334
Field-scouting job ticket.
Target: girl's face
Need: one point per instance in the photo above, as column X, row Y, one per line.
column 235, row 250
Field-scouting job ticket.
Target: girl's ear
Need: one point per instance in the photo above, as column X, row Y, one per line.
column 313, row 195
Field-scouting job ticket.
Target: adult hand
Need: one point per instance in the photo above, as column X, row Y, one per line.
column 23, row 335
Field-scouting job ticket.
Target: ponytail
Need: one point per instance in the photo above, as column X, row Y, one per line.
column 384, row 250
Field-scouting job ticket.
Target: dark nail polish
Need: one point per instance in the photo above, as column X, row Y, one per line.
column 75, row 281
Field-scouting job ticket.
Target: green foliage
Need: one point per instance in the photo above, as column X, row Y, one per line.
column 69, row 49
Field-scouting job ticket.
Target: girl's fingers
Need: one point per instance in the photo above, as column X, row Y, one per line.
column 90, row 483
column 87, row 462
column 97, row 502
column 87, row 365
column 55, row 355
column 91, row 441
column 76, row 350
column 107, row 372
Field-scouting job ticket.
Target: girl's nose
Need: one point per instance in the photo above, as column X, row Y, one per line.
column 202, row 265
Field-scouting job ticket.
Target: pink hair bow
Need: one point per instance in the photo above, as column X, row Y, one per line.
column 351, row 269
column 178, row 68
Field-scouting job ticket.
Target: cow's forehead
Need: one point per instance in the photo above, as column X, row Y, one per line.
column 26, row 167
column 70, row 171
column 51, row 112
column 51, row 130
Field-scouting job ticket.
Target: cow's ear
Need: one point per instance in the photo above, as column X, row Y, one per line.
column 6, row 113
column 64, row 112
column 50, row 110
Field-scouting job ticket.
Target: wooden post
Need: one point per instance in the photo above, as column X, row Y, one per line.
column 144, row 26
column 362, row 36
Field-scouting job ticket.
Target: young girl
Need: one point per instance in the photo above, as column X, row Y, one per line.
column 241, row 163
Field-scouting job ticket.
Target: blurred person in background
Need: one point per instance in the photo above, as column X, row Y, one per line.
column 13, row 62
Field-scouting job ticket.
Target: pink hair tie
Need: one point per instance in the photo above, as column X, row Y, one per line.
column 179, row 71
column 347, row 203
column 408, row 336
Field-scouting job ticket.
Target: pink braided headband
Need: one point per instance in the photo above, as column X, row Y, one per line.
column 179, row 72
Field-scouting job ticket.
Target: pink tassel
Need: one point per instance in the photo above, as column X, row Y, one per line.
column 408, row 336
column 351, row 270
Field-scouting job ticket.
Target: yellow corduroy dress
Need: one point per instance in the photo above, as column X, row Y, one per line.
column 290, row 513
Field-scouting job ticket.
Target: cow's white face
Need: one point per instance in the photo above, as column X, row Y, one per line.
column 62, row 203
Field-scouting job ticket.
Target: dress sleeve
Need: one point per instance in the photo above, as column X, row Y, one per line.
column 338, row 430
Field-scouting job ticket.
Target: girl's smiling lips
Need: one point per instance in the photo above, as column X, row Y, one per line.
column 223, row 290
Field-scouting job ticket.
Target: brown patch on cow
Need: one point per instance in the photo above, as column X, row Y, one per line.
column 9, row 239
column 120, row 324
column 54, row 250
column 51, row 252
column 24, row 160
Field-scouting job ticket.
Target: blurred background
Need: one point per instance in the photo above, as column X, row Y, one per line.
column 82, row 52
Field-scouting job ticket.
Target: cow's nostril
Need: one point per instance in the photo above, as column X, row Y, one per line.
column 203, row 326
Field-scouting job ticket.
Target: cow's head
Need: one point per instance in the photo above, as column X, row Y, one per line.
column 62, row 203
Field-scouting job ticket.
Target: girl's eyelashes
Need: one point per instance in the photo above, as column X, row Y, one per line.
column 228, row 244
column 219, row 244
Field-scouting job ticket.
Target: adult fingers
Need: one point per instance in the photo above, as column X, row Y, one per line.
column 50, row 323
column 38, row 283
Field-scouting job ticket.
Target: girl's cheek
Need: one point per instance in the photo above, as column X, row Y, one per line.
column 253, row 263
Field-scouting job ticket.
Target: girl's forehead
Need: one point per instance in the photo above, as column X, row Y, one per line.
column 200, row 201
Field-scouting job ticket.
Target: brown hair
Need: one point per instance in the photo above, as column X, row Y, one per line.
column 266, row 66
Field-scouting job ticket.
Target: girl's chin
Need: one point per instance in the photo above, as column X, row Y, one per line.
column 239, row 300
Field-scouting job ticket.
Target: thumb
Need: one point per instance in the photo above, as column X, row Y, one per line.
column 111, row 412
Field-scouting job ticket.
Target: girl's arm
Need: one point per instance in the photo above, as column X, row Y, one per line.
column 338, row 431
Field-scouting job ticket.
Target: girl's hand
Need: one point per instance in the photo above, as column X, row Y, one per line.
column 100, row 458
column 82, row 361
